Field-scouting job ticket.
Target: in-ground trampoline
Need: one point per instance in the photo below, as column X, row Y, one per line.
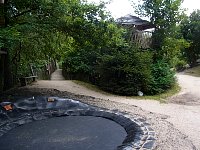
column 51, row 123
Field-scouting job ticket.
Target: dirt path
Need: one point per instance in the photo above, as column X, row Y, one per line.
column 183, row 111
column 190, row 93
column 57, row 75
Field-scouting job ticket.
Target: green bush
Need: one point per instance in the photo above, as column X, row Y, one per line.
column 163, row 77
column 125, row 71
column 103, row 58
column 80, row 64
column 180, row 65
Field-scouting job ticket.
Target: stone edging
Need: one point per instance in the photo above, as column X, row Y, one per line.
column 139, row 133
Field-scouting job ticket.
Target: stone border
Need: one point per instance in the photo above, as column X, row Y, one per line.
column 139, row 133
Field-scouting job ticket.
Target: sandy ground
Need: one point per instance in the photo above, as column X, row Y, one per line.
column 182, row 111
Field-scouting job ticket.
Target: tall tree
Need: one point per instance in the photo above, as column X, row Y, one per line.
column 21, row 22
column 190, row 28
column 164, row 14
column 6, row 77
column 2, row 23
column 42, row 29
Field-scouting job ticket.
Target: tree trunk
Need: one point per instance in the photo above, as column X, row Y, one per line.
column 2, row 58
column 2, row 22
column 6, row 80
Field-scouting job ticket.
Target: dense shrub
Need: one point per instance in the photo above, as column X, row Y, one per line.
column 125, row 71
column 103, row 57
column 181, row 65
column 80, row 65
column 163, row 77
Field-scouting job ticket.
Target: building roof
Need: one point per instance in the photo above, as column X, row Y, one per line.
column 139, row 23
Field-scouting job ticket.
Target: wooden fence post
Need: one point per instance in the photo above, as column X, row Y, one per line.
column 2, row 57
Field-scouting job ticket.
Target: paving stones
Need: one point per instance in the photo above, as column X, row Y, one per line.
column 140, row 135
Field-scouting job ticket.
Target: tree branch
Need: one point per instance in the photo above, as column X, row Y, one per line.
column 24, row 12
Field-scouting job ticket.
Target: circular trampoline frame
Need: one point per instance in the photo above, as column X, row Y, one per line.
column 139, row 133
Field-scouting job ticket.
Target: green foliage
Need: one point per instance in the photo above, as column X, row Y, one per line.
column 90, row 39
column 88, row 42
column 168, row 42
column 190, row 28
column 180, row 65
column 31, row 33
column 40, row 30
column 125, row 71
column 163, row 77
column 171, row 50
column 100, row 55
column 164, row 14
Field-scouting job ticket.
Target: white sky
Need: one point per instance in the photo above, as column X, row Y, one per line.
column 119, row 8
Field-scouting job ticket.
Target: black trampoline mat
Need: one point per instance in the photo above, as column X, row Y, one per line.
column 65, row 133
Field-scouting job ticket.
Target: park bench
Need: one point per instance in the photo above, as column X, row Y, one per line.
column 28, row 79
column 25, row 80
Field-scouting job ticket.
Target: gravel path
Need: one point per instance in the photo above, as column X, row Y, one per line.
column 185, row 118
column 177, row 124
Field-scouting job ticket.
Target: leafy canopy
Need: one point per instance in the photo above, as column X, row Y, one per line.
column 190, row 28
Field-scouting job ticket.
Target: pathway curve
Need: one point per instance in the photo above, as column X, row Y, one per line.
column 185, row 117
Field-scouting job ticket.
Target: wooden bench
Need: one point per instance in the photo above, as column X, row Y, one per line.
column 25, row 80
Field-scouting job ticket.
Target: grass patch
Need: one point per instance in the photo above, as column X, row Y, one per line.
column 160, row 97
column 91, row 87
column 195, row 71
column 163, row 96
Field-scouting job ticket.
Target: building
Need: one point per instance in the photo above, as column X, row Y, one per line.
column 140, row 30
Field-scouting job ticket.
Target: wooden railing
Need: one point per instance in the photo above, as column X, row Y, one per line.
column 141, row 38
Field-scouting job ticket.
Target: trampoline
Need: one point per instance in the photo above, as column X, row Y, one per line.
column 63, row 124
column 65, row 133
